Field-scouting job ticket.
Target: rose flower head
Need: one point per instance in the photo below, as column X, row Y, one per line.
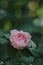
column 19, row 39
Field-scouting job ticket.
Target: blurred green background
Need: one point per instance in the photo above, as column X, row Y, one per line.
column 26, row 15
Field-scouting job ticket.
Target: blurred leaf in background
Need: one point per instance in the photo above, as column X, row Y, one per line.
column 40, row 12
column 18, row 15
column 3, row 14
column 19, row 3
column 33, row 6
column 7, row 25
column 4, row 4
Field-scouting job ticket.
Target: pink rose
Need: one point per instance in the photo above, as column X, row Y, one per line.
column 19, row 39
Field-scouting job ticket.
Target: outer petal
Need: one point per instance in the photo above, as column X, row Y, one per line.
column 13, row 31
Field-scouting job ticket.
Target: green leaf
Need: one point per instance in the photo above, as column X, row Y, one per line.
column 34, row 52
column 27, row 59
column 19, row 3
column 1, row 34
column 33, row 49
column 2, row 14
column 7, row 26
column 12, row 61
column 32, row 45
column 28, row 26
column 40, row 50
column 7, row 51
column 23, row 63
column 7, row 36
column 10, row 51
column 1, row 63
column 38, row 62
column 38, row 12
column 3, row 41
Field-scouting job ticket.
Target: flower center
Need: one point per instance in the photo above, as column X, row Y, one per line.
column 21, row 37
